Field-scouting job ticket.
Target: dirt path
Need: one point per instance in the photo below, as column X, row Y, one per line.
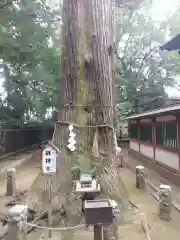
column 153, row 176
column 159, row 229
column 26, row 173
column 132, row 228
column 26, row 170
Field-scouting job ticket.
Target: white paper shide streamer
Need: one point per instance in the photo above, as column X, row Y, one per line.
column 117, row 149
column 71, row 140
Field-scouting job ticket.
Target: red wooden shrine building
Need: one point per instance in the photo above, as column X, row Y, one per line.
column 155, row 136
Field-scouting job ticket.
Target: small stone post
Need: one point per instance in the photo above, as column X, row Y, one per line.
column 74, row 186
column 11, row 182
column 119, row 156
column 140, row 177
column 121, row 161
column 165, row 206
column 16, row 216
column 98, row 232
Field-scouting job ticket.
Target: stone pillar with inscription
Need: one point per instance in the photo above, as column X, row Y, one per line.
column 165, row 205
column 11, row 182
column 140, row 177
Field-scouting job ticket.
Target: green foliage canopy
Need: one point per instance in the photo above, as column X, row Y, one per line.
column 30, row 59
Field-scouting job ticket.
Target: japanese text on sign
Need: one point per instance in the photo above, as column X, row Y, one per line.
column 49, row 160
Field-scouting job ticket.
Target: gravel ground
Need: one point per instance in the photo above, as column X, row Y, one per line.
column 130, row 230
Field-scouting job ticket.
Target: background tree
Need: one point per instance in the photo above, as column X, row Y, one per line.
column 29, row 49
column 29, row 58
column 142, row 73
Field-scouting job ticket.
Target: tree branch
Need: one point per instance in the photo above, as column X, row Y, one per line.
column 6, row 3
column 147, row 54
column 130, row 4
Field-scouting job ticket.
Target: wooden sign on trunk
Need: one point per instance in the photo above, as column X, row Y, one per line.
column 49, row 156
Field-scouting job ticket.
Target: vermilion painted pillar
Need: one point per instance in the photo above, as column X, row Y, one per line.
column 139, row 132
column 129, row 129
column 178, row 135
column 154, row 135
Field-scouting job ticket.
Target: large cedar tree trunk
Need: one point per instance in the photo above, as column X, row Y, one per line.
column 86, row 71
column 86, row 85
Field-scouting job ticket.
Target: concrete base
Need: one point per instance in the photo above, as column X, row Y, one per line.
column 55, row 236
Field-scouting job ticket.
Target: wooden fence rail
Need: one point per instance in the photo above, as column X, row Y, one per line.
column 12, row 140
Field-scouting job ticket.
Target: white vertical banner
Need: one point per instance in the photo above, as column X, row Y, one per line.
column 49, row 156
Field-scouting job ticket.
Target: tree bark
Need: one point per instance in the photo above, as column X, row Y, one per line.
column 86, row 83
column 87, row 59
